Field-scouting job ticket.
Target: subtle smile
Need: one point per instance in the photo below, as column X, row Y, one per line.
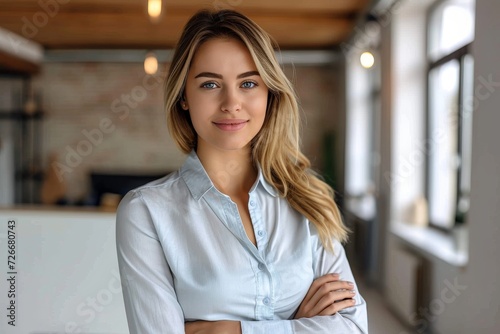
column 230, row 124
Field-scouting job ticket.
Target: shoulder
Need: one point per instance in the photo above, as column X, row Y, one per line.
column 147, row 207
column 164, row 186
column 167, row 188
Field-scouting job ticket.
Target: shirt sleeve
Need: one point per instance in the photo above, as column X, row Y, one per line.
column 150, row 301
column 351, row 320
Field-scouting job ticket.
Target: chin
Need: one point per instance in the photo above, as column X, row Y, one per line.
column 235, row 147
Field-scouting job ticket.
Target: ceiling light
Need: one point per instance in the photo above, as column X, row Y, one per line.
column 154, row 10
column 150, row 63
column 367, row 59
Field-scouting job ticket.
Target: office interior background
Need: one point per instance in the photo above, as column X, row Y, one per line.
column 400, row 105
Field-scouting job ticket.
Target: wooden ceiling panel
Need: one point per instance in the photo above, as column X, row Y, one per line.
column 260, row 5
column 295, row 24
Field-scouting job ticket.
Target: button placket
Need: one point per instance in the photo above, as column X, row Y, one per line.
column 264, row 308
column 255, row 214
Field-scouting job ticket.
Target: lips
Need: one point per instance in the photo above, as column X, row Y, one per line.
column 230, row 124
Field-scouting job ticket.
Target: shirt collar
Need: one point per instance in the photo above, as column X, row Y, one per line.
column 198, row 182
column 262, row 181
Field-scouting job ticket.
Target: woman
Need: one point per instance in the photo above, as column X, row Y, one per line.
column 244, row 238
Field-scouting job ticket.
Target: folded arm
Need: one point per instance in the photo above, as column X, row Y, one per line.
column 349, row 320
column 328, row 308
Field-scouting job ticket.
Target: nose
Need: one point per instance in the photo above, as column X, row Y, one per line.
column 230, row 100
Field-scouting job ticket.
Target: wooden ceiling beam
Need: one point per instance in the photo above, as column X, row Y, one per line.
column 132, row 30
column 258, row 5
column 294, row 24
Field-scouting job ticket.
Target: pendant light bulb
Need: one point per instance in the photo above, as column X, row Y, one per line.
column 150, row 63
column 154, row 10
column 367, row 59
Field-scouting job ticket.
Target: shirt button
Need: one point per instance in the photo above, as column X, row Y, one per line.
column 261, row 266
column 266, row 301
column 261, row 233
column 252, row 203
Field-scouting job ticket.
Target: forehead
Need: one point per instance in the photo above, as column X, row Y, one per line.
column 226, row 53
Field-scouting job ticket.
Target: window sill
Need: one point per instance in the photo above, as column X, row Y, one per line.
column 431, row 243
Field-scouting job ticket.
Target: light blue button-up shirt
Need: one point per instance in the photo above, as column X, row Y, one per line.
column 184, row 256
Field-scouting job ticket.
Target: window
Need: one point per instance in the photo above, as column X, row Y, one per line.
column 362, row 94
column 449, row 125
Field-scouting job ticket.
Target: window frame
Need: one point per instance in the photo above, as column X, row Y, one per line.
column 459, row 55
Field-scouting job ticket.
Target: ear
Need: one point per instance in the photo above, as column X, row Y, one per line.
column 184, row 104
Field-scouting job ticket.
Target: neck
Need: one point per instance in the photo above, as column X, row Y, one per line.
column 232, row 172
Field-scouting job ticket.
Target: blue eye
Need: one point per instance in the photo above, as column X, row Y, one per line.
column 248, row 84
column 209, row 85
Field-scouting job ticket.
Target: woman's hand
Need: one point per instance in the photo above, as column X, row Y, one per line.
column 326, row 296
column 213, row 327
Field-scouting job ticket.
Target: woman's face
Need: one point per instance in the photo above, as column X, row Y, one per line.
column 225, row 95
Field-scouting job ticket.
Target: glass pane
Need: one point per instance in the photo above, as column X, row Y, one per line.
column 451, row 27
column 359, row 129
column 467, row 110
column 443, row 143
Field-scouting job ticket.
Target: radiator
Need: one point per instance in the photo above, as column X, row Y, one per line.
column 405, row 284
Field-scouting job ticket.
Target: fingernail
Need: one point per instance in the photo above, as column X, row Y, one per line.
column 352, row 292
column 350, row 283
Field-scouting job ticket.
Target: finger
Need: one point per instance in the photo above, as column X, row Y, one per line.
column 328, row 287
column 322, row 286
column 330, row 298
column 317, row 283
column 333, row 297
column 338, row 306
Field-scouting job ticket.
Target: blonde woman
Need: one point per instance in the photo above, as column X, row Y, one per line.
column 244, row 238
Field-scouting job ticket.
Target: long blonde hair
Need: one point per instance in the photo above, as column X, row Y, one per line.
column 277, row 146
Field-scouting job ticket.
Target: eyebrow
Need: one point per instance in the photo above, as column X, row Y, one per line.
column 219, row 76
